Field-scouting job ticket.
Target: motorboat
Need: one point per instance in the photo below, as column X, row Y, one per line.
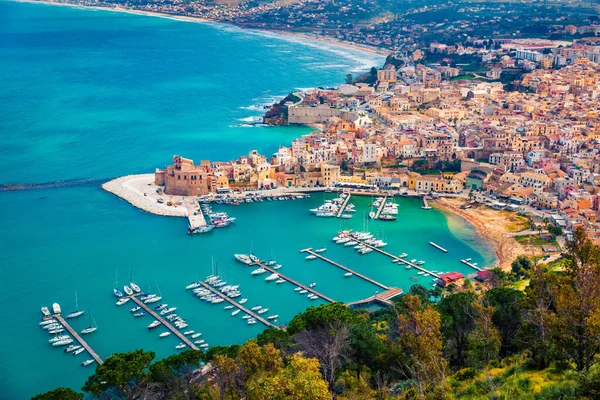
column 135, row 287
column 196, row 335
column 160, row 307
column 180, row 346
column 122, row 301
column 204, row 346
column 251, row 321
column 181, row 326
column 87, row 362
column 71, row 348
column 259, row 271
column 56, row 308
column 117, row 292
column 420, row 263
column 321, row 250
column 310, row 257
column 152, row 300
column 272, row 317
column 128, row 290
column 63, row 342
column 298, row 289
column 45, row 311
column 199, row 341
column 188, row 332
column 420, row 273
column 164, row 334
column 135, row 309
column 78, row 351
column 236, row 312
column 56, row 331
column 51, row 326
column 154, row 324
column 192, row 285
column 256, row 308
column 47, row 322
column 280, row 281
column 403, row 255
column 229, row 307
column 313, row 297
column 303, row 291
column 168, row 310
column 262, row 311
column 243, row 258
column 348, row 274
column 271, row 277
column 242, row 301
column 350, row 243
column 414, row 260
column 59, row 338
column 312, row 285
column 277, row 266
column 140, row 314
column 246, row 316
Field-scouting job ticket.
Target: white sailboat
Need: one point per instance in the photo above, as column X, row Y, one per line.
column 77, row 312
column 91, row 328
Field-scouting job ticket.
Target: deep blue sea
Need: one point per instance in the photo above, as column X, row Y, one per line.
column 98, row 94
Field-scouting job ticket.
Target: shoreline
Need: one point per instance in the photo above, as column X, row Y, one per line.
column 279, row 34
column 492, row 230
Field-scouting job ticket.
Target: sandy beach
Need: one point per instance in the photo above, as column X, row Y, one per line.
column 493, row 226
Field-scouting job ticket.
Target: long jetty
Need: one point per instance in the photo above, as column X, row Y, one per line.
column 82, row 342
column 425, row 204
column 402, row 260
column 238, row 305
column 366, row 278
column 344, row 204
column 380, row 298
column 380, row 209
column 437, row 246
column 170, row 327
column 293, row 282
column 471, row 265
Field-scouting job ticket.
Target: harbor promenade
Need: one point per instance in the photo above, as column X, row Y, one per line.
column 293, row 282
column 75, row 335
column 167, row 325
column 359, row 275
column 238, row 305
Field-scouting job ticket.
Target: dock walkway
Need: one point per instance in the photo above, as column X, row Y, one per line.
column 290, row 280
column 163, row 321
column 366, row 278
column 397, row 258
column 426, row 205
column 471, row 265
column 437, row 246
column 195, row 218
column 380, row 209
column 82, row 342
column 238, row 305
column 344, row 204
column 381, row 298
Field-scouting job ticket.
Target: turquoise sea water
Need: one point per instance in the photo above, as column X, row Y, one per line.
column 95, row 94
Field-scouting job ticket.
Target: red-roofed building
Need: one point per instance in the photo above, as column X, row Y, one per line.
column 450, row 278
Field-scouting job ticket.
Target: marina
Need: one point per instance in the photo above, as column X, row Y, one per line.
column 348, row 270
column 166, row 324
column 296, row 283
column 238, row 305
column 78, row 338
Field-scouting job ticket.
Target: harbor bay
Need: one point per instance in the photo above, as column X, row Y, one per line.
column 59, row 240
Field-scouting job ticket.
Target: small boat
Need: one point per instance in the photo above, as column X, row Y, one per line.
column 348, row 274
column 87, row 362
column 135, row 309
column 236, row 312
column 253, row 257
column 59, row 338
column 188, row 332
column 272, row 317
column 408, row 267
column 167, row 310
column 270, row 263
column 62, row 342
column 263, row 310
column 164, row 334
column 420, row 273
column 193, row 285
column 312, row 285
column 414, row 260
column 135, row 287
column 242, row 301
column 117, row 293
column 251, row 321
column 277, row 266
column 78, row 351
column 259, row 271
column 56, row 308
column 153, row 300
column 71, row 348
column 140, row 314
column 246, row 316
column 280, row 281
column 199, row 341
column 128, row 290
column 160, row 307
column 205, row 345
column 56, row 331
column 196, row 335
column 45, row 311
column 256, row 308
column 243, row 258
column 154, row 324
column 298, row 289
column 303, row 291
column 310, row 257
column 321, row 250
column 271, row 277
column 91, row 328
column 77, row 312
column 180, row 346
column 403, row 255
column 47, row 322
column 313, row 297
column 122, row 301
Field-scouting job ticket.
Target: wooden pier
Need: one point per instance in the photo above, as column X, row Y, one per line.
column 293, row 282
column 344, row 204
column 400, row 260
column 366, row 278
column 380, row 298
column 471, row 265
column 438, row 247
column 425, row 204
column 75, row 335
column 381, row 206
column 163, row 321
column 238, row 305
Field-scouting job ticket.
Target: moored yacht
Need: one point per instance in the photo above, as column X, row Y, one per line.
column 259, row 271
column 128, row 290
column 135, row 287
column 243, row 258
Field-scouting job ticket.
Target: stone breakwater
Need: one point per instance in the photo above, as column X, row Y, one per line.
column 140, row 191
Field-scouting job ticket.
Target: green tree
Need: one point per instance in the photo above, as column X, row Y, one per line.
column 59, row 394
column 321, row 316
column 521, row 266
column 485, row 340
column 508, row 316
column 122, row 376
column 175, row 374
column 457, row 324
